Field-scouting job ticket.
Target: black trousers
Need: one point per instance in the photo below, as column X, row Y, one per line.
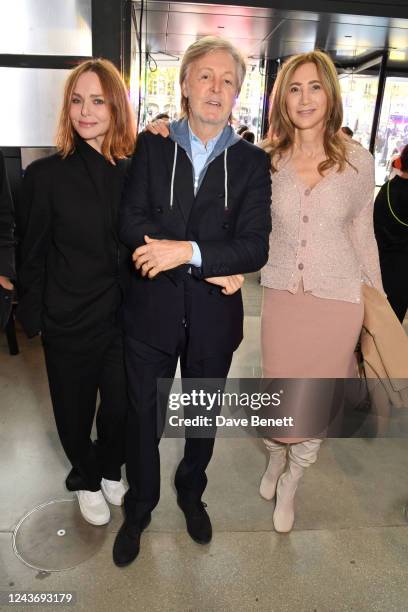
column 76, row 372
column 395, row 280
column 145, row 365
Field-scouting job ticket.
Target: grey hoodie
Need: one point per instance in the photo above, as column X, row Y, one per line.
column 179, row 133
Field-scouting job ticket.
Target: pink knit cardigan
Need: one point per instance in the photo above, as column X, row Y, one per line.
column 324, row 236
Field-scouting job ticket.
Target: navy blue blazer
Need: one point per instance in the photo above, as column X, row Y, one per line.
column 232, row 239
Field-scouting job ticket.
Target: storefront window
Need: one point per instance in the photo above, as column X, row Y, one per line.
column 359, row 94
column 159, row 93
column 248, row 109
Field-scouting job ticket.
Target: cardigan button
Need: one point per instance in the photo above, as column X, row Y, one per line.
column 301, row 266
column 307, row 192
column 305, row 218
column 225, row 225
column 159, row 209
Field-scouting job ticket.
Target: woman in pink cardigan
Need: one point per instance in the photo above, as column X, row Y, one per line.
column 322, row 247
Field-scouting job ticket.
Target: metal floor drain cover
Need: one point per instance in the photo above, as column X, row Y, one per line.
column 54, row 537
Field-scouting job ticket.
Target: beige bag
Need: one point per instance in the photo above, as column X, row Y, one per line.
column 384, row 348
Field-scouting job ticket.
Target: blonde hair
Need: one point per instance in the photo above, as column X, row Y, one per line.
column 281, row 132
column 201, row 47
column 119, row 141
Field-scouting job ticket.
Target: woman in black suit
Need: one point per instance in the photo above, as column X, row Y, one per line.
column 391, row 232
column 73, row 274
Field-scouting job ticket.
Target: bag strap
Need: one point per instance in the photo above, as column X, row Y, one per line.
column 390, row 207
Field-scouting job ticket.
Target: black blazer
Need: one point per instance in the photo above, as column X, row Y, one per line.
column 232, row 240
column 7, row 267
column 72, row 262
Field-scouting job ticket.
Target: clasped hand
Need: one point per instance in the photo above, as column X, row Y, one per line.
column 160, row 255
column 230, row 284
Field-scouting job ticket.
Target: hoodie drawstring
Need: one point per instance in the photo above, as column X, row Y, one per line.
column 174, row 173
column 172, row 176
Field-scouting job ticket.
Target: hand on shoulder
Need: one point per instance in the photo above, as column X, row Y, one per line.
column 158, row 127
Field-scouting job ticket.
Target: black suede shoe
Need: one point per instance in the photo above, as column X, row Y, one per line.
column 197, row 520
column 127, row 543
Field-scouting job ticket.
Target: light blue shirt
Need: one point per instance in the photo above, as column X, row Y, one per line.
column 200, row 152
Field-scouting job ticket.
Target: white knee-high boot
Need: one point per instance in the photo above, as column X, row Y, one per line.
column 276, row 465
column 300, row 456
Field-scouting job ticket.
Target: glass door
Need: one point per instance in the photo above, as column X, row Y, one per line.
column 359, row 94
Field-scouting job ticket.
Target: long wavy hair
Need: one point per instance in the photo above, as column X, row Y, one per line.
column 281, row 133
column 119, row 141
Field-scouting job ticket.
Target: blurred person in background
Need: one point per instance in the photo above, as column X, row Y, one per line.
column 159, row 116
column 241, row 129
column 347, row 131
column 248, row 136
column 391, row 232
column 394, row 164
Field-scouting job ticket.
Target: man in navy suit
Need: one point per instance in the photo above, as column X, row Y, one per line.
column 195, row 213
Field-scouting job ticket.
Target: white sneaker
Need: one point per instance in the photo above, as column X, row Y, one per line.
column 93, row 507
column 114, row 491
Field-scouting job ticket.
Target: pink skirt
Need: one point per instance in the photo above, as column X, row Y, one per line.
column 304, row 336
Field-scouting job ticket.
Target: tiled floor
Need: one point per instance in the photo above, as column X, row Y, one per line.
column 348, row 551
